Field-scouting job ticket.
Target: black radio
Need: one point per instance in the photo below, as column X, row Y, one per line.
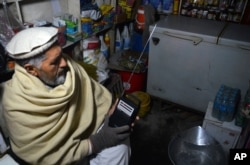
column 125, row 112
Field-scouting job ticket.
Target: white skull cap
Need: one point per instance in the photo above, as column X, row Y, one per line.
column 31, row 42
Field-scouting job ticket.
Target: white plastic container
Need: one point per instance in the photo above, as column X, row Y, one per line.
column 126, row 38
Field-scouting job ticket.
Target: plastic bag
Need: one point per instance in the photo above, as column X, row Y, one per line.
column 6, row 32
column 97, row 59
column 93, row 14
column 102, row 71
column 9, row 25
column 91, row 11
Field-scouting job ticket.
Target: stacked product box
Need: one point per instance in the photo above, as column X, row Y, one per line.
column 226, row 103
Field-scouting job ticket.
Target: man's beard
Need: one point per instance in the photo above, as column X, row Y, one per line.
column 59, row 79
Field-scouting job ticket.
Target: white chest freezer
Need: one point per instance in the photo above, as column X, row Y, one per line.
column 190, row 58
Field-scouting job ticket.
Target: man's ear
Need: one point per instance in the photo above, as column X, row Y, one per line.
column 31, row 69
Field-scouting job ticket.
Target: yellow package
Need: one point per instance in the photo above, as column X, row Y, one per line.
column 105, row 9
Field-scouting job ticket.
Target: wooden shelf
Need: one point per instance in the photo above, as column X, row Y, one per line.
column 69, row 43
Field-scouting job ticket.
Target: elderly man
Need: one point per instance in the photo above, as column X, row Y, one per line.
column 55, row 113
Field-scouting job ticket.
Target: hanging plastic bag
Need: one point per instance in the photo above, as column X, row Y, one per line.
column 6, row 32
column 102, row 71
column 9, row 25
column 97, row 59
column 14, row 23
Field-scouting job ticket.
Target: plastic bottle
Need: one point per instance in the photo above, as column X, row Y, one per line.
column 159, row 7
column 118, row 41
column 140, row 18
column 131, row 28
column 168, row 6
column 107, row 40
column 226, row 102
column 176, row 7
column 239, row 6
column 104, row 47
column 126, row 38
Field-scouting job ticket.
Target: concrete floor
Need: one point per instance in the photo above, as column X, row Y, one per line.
column 152, row 133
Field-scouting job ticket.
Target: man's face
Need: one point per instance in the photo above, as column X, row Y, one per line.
column 53, row 68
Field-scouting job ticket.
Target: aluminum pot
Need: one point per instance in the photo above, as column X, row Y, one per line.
column 195, row 147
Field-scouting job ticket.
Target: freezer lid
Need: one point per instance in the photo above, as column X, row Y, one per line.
column 207, row 30
column 236, row 35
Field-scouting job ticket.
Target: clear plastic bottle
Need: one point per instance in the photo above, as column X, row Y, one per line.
column 118, row 41
column 126, row 38
column 104, row 48
column 159, row 7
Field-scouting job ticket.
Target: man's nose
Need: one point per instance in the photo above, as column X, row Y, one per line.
column 63, row 63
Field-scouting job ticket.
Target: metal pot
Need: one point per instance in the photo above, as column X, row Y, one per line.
column 195, row 147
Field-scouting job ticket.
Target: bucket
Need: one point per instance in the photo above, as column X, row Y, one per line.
column 137, row 82
column 145, row 102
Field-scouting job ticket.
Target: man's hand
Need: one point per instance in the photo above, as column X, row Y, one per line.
column 109, row 136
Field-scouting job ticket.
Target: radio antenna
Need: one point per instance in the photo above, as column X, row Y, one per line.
column 137, row 62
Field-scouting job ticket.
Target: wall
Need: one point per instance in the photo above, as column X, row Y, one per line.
column 43, row 9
